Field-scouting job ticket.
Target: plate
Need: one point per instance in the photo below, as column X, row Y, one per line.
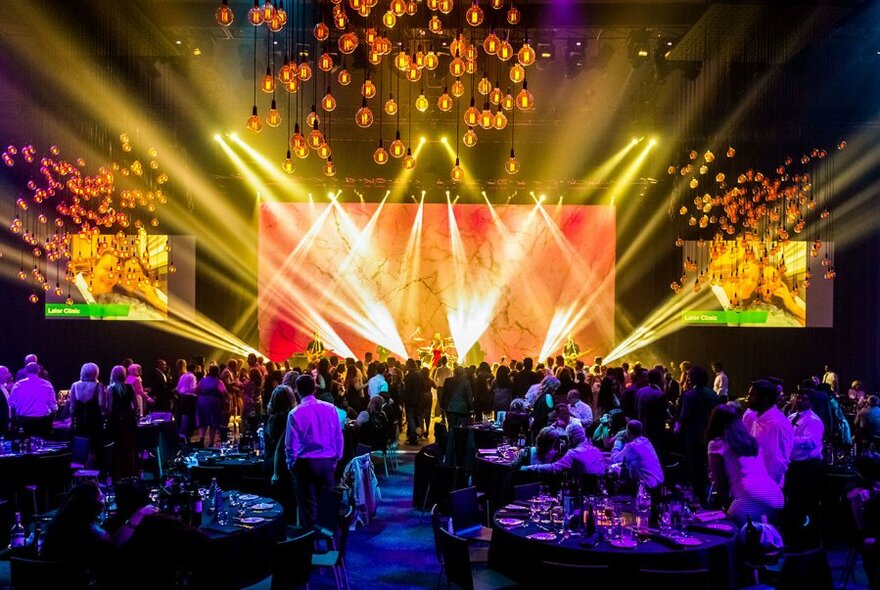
column 624, row 543
column 542, row 536
column 262, row 506
column 252, row 519
column 510, row 521
column 720, row 526
column 248, row 497
column 687, row 541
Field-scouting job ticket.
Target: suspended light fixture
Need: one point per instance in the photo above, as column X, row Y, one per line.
column 457, row 66
column 401, row 60
column 422, row 102
column 329, row 168
column 496, row 96
column 431, row 60
column 380, row 156
column 316, row 138
column 499, row 121
column 273, row 117
column 344, row 76
column 486, row 117
column 224, row 15
column 435, row 25
column 526, row 54
column 324, row 150
column 325, row 62
column 255, row 15
column 304, row 71
column 505, row 50
column 254, row 123
column 457, row 89
column 397, row 149
column 513, row 15
column 491, row 43
column 444, row 103
column 267, row 84
column 472, row 114
column 368, row 89
column 511, row 166
column 474, row 15
column 445, row 6
column 398, row 7
column 364, row 116
column 517, row 73
column 288, row 164
column 409, row 162
column 328, row 103
column 457, row 173
column 389, row 19
column 321, row 31
column 470, row 137
column 524, row 99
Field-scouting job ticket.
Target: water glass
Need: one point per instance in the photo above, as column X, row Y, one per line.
column 615, row 531
column 665, row 521
column 223, row 517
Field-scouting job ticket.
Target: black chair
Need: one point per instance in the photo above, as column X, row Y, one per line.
column 335, row 559
column 462, row 449
column 203, row 475
column 362, row 449
column 292, row 562
column 806, row 570
column 444, row 480
column 479, row 553
column 553, row 572
column 485, row 439
column 467, row 520
column 526, row 491
column 79, row 452
column 678, row 579
column 50, row 478
column 327, row 515
column 35, row 574
column 457, row 565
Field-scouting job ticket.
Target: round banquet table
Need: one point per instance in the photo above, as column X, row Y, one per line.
column 49, row 464
column 491, row 473
column 512, row 553
column 244, row 551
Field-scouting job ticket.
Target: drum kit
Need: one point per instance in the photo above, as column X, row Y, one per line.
column 426, row 353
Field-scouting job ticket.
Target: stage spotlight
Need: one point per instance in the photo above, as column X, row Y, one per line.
column 638, row 48
column 652, row 142
column 443, row 139
column 422, row 140
column 216, row 137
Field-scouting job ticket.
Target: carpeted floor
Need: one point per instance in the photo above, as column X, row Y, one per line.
column 396, row 551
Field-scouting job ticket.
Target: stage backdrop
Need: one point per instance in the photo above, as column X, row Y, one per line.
column 515, row 280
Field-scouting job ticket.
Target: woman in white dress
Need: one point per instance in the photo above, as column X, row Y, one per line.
column 738, row 470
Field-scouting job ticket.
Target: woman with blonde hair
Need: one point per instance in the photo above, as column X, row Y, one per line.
column 89, row 408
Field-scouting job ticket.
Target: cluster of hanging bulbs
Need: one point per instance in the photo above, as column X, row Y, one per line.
column 747, row 217
column 490, row 112
column 60, row 200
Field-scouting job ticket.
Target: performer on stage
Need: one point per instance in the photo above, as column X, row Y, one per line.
column 437, row 349
column 571, row 350
column 315, row 347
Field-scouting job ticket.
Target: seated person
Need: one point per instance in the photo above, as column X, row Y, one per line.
column 868, row 419
column 581, row 459
column 637, row 456
column 610, row 425
column 372, row 424
column 564, row 420
column 579, row 409
column 516, row 420
column 74, row 535
column 545, row 450
column 173, row 549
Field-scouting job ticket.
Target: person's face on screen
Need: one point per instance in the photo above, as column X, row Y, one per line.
column 104, row 274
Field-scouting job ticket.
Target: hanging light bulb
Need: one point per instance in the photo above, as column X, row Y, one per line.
column 391, row 105
column 297, row 141
column 380, row 156
column 292, row 85
column 507, row 102
column 328, row 103
column 324, row 150
column 433, row 5
column 397, row 149
column 340, row 20
column 419, row 57
column 412, row 8
column 368, row 89
column 364, row 116
column 408, row 161
column 325, row 62
column 499, row 122
column 457, row 66
column 496, row 96
column 401, row 60
column 255, row 15
column 474, row 15
column 484, row 86
column 524, row 99
column 254, row 123
column 224, row 15
column 526, row 55
column 329, row 167
column 285, row 74
column 288, row 164
column 486, row 119
column 435, row 25
column 457, row 88
column 470, row 137
column 445, row 6
column 497, row 4
column 344, row 77
column 470, row 67
column 273, row 117
column 431, row 60
column 505, row 50
column 304, row 71
column 389, row 19
column 513, row 15
column 444, row 103
column 267, row 84
column 348, row 42
column 312, row 118
column 490, row 43
column 472, row 114
column 321, row 31
column 316, row 138
column 413, row 74
column 422, row 102
column 370, row 35
column 457, row 173
column 511, row 166
column 268, row 10
column 398, row 7
column 517, row 73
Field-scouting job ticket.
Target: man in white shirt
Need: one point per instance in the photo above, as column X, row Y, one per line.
column 637, row 456
column 721, row 383
column 830, row 379
column 578, row 408
column 33, row 402
column 377, row 385
column 770, row 427
column 313, row 445
column 581, row 459
column 802, row 478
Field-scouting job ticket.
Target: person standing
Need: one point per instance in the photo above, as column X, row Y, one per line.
column 652, row 410
column 693, row 418
column 803, row 474
column 459, row 399
column 33, row 402
column 830, row 379
column 123, row 424
column 313, row 445
column 524, row 379
column 722, row 383
column 89, row 407
column 412, row 395
column 770, row 427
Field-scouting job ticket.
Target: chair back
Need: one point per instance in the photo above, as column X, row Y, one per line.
column 35, row 574
column 575, row 574
column 327, row 512
column 456, row 559
column 79, row 452
column 344, row 526
column 526, row 491
column 292, row 562
column 362, row 449
column 445, row 479
column 203, row 475
column 462, row 448
column 436, row 525
column 807, row 570
column 485, row 439
column 464, row 509
column 678, row 579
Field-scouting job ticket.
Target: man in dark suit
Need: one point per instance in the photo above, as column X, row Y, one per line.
column 524, row 379
column 160, row 389
column 693, row 417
